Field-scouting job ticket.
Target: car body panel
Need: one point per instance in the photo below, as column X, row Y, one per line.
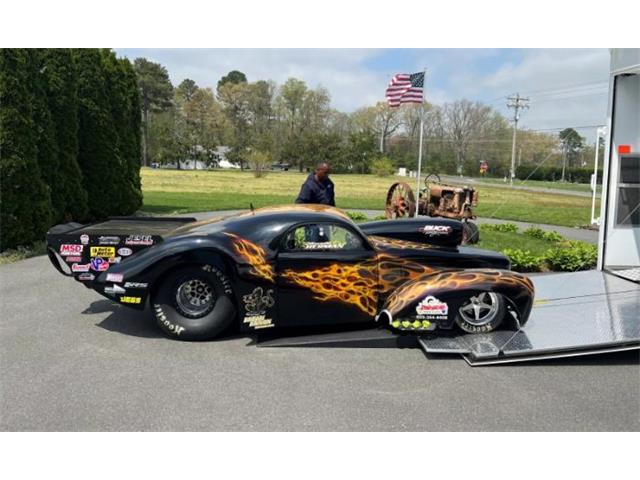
column 394, row 266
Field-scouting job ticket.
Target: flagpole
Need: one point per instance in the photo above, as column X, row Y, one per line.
column 424, row 87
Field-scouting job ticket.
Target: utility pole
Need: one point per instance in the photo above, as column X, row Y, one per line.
column 516, row 102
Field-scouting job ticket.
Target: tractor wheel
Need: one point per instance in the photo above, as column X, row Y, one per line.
column 401, row 202
column 470, row 233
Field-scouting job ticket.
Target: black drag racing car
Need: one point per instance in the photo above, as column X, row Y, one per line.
column 293, row 265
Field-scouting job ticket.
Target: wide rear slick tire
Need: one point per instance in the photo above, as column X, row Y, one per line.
column 194, row 303
column 481, row 313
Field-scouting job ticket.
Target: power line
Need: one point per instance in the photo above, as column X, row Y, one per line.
column 516, row 102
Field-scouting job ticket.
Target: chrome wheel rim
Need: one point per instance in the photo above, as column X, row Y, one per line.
column 481, row 309
column 195, row 298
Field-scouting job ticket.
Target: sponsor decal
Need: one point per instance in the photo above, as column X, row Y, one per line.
column 86, row 277
column 135, row 285
column 430, row 308
column 434, row 230
column 256, row 304
column 139, row 240
column 124, row 251
column 115, row 260
column 177, row 329
column 114, row 290
column 108, row 252
column 84, row 239
column 77, row 267
column 109, row 240
column 114, row 277
column 67, row 250
column 133, row 300
column 73, row 259
column 99, row 264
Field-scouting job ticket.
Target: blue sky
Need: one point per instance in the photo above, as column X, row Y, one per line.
column 567, row 87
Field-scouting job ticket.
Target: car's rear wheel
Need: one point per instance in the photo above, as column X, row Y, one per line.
column 194, row 303
column 481, row 313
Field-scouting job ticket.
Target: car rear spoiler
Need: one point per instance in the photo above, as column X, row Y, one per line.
column 71, row 247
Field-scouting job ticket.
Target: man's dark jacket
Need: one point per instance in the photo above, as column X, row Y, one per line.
column 313, row 191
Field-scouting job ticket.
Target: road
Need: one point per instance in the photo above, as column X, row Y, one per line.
column 72, row 360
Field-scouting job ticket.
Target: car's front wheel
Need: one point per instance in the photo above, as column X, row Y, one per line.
column 481, row 313
column 194, row 303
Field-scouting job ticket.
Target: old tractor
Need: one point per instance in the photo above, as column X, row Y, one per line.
column 436, row 200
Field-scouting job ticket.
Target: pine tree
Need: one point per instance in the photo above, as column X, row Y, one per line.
column 98, row 154
column 121, row 92
column 25, row 203
column 62, row 93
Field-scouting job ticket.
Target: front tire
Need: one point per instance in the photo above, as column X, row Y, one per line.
column 481, row 313
column 194, row 303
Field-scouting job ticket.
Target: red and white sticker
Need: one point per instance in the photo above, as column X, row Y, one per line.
column 431, row 307
column 114, row 277
column 78, row 267
column 70, row 249
column 84, row 239
column 433, row 230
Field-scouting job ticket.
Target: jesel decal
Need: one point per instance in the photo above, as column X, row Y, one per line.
column 139, row 240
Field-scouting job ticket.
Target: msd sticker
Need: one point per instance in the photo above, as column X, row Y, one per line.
column 68, row 250
column 430, row 308
column 433, row 230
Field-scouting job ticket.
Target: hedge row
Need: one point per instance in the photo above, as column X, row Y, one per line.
column 69, row 140
column 553, row 174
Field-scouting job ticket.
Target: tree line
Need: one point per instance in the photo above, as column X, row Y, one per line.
column 295, row 124
column 70, row 141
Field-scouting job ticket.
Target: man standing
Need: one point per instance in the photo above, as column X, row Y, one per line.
column 318, row 187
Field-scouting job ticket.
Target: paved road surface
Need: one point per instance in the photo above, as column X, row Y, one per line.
column 72, row 360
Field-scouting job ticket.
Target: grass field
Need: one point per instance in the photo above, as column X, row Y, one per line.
column 576, row 187
column 172, row 191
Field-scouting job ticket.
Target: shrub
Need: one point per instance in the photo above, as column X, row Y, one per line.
column 382, row 167
column 357, row 216
column 575, row 256
column 259, row 163
column 380, row 217
column 501, row 227
column 524, row 260
column 536, row 232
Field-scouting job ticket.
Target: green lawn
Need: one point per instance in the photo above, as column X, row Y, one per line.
column 172, row 191
column 498, row 241
column 576, row 187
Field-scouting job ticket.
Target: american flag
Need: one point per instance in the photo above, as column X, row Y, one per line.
column 405, row 88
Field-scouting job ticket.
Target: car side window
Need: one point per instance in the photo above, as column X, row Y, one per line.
column 321, row 237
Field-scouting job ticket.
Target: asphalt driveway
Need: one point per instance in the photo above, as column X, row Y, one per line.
column 72, row 360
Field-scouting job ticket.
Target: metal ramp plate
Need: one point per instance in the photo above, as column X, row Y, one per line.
column 577, row 313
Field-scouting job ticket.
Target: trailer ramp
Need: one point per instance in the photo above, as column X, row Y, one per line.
column 580, row 313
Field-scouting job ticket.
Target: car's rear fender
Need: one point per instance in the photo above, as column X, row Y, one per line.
column 452, row 288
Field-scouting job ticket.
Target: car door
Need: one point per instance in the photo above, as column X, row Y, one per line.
column 327, row 274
